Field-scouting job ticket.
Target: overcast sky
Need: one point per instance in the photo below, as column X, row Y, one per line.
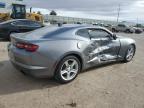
column 131, row 10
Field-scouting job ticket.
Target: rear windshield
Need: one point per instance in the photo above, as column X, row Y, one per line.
column 48, row 32
column 57, row 31
column 40, row 33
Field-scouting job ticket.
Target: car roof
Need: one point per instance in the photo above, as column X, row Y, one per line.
column 76, row 26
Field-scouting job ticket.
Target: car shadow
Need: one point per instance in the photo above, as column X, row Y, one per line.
column 13, row 81
column 102, row 65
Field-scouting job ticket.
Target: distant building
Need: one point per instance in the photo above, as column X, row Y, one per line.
column 63, row 19
column 73, row 20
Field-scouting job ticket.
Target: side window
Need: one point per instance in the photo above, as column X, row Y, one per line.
column 97, row 33
column 26, row 23
column 17, row 23
column 121, row 25
column 34, row 24
column 83, row 33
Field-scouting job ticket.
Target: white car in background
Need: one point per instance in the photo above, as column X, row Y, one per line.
column 122, row 28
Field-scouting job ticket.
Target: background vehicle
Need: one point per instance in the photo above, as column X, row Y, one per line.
column 17, row 26
column 122, row 28
column 140, row 26
column 16, row 9
column 137, row 30
column 64, row 51
column 108, row 26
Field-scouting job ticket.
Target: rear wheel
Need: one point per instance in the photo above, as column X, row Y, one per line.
column 68, row 69
column 128, row 31
column 129, row 54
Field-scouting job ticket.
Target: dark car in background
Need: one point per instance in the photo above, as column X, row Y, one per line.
column 138, row 30
column 17, row 26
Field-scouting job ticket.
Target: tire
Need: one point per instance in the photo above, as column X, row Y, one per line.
column 68, row 69
column 128, row 31
column 129, row 56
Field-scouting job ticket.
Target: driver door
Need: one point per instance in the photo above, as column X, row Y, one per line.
column 108, row 47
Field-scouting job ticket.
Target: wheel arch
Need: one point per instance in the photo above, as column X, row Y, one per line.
column 76, row 54
column 134, row 47
column 10, row 32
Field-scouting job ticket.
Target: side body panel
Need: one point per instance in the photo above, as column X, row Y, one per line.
column 100, row 51
column 125, row 42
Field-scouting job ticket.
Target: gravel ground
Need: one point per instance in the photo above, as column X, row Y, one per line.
column 111, row 86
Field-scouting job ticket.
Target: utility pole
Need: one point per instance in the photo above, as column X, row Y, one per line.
column 30, row 9
column 119, row 8
column 137, row 21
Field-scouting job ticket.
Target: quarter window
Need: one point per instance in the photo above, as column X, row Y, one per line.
column 34, row 24
column 83, row 32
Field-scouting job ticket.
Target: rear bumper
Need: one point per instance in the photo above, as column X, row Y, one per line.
column 21, row 62
column 35, row 71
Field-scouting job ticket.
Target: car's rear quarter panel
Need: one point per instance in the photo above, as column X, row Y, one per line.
column 51, row 52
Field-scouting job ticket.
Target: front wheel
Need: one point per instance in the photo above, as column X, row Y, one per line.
column 130, row 53
column 68, row 69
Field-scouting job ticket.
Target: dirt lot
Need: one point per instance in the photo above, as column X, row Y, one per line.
column 111, row 86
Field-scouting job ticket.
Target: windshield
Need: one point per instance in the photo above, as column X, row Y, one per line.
column 18, row 11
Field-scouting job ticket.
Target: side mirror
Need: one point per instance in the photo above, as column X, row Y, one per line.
column 114, row 36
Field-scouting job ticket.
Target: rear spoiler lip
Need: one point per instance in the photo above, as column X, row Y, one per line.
column 16, row 37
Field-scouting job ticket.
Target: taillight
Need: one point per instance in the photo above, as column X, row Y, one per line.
column 27, row 47
column 20, row 45
column 31, row 47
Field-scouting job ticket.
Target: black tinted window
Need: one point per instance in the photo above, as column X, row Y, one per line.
column 34, row 24
column 121, row 25
column 95, row 33
column 56, row 31
column 26, row 23
column 17, row 23
column 83, row 32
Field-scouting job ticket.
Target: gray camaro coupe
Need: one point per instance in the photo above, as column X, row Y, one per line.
column 62, row 52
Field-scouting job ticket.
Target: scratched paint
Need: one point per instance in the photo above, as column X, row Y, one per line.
column 95, row 52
